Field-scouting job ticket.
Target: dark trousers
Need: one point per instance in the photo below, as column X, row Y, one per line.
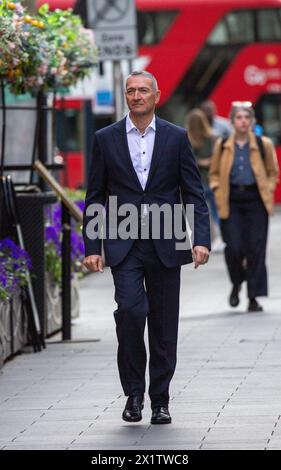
column 245, row 236
column 146, row 289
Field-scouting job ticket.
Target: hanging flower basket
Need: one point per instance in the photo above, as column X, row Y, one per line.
column 44, row 52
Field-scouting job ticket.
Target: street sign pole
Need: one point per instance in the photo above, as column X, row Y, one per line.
column 118, row 90
column 114, row 24
column 90, row 13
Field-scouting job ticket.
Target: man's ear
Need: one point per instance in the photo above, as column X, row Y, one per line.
column 158, row 94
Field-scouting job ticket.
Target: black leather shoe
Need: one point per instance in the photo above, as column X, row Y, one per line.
column 254, row 306
column 160, row 415
column 234, row 296
column 132, row 410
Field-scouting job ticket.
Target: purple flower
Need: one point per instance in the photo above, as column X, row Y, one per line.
column 3, row 280
column 77, row 244
column 14, row 265
column 81, row 205
column 53, row 234
column 10, row 249
column 57, row 216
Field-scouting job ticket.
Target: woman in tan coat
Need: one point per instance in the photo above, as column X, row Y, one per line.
column 243, row 176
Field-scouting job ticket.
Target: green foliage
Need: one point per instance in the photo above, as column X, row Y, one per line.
column 45, row 52
column 53, row 262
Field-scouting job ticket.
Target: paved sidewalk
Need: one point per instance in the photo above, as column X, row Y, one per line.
column 225, row 393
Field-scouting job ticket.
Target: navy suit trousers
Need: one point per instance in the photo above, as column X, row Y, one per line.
column 146, row 289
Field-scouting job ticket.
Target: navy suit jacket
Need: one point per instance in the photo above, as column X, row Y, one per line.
column 173, row 179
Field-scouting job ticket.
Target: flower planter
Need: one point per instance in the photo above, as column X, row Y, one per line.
column 13, row 328
column 52, row 306
column 5, row 331
column 53, row 301
column 75, row 298
column 19, row 325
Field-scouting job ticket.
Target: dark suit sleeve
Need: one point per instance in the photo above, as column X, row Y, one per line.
column 96, row 194
column 193, row 193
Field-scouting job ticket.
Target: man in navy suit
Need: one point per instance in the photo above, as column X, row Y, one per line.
column 143, row 162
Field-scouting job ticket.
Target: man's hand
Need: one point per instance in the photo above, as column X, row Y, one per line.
column 93, row 263
column 200, row 255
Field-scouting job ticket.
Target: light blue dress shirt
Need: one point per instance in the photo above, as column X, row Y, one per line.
column 141, row 148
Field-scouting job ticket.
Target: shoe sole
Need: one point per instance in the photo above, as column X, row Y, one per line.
column 132, row 420
column 161, row 422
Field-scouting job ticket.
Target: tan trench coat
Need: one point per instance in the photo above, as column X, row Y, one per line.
column 266, row 172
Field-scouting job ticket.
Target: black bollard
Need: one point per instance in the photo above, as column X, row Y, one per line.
column 66, row 274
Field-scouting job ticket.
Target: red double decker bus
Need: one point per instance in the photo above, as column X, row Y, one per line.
column 223, row 50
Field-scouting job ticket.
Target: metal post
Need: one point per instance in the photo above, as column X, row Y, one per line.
column 118, row 90
column 42, row 133
column 3, row 139
column 12, row 333
column 66, row 274
column 31, row 6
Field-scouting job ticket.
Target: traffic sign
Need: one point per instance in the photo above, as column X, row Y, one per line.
column 114, row 24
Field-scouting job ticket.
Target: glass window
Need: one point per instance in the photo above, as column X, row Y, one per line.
column 152, row 25
column 268, row 113
column 272, row 121
column 240, row 26
column 235, row 28
column 68, row 130
column 269, row 24
column 219, row 35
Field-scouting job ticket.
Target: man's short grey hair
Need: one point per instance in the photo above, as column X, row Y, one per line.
column 144, row 73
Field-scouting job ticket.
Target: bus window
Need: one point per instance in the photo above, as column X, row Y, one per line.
column 241, row 27
column 269, row 24
column 69, row 130
column 268, row 112
column 235, row 28
column 219, row 35
column 152, row 25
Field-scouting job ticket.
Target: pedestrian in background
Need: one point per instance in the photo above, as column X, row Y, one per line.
column 221, row 126
column 243, row 176
column 202, row 139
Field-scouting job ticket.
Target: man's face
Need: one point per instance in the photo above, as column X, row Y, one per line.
column 140, row 96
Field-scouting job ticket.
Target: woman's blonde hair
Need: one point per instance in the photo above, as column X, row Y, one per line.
column 198, row 127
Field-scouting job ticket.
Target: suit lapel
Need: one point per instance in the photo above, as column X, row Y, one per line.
column 159, row 145
column 120, row 137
